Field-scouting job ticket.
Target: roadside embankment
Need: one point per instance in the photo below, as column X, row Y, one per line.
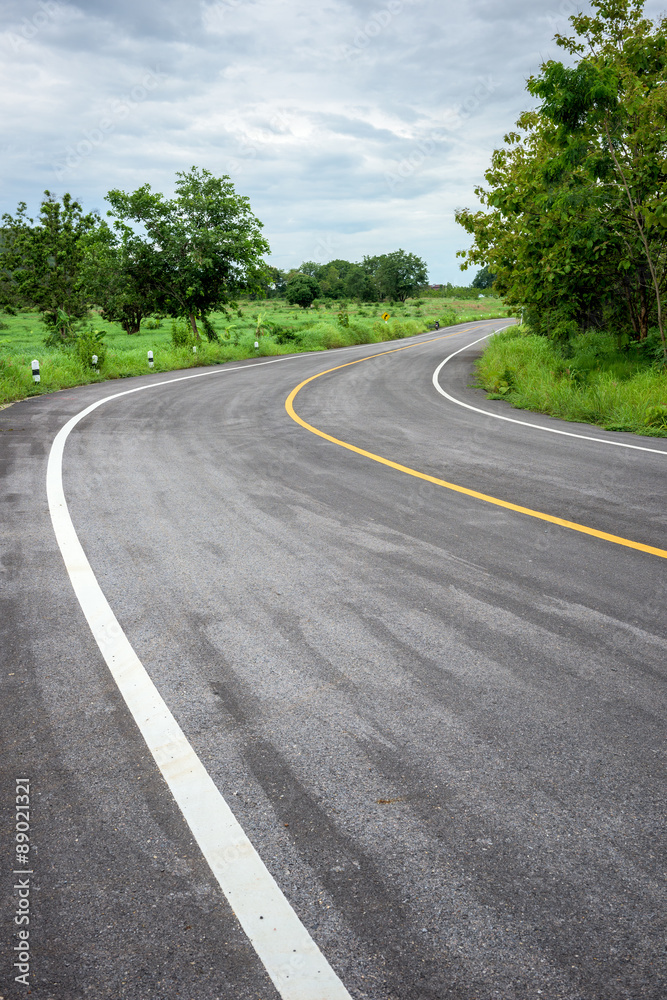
column 589, row 379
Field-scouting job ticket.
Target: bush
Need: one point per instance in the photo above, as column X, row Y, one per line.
column 448, row 318
column 656, row 416
column 89, row 344
column 182, row 334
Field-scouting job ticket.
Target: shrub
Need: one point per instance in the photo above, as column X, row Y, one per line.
column 89, row 344
column 448, row 318
column 182, row 334
column 656, row 416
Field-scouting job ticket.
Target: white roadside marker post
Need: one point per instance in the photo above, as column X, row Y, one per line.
column 256, row 345
column 194, row 349
column 150, row 359
column 94, row 361
column 35, row 370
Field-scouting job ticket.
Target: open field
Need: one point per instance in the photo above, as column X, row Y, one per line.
column 284, row 330
column 590, row 380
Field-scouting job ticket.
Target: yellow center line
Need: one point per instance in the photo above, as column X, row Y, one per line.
column 573, row 525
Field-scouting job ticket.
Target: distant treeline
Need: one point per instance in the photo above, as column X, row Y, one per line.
column 389, row 277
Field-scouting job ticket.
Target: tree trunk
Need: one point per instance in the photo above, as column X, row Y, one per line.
column 640, row 226
column 131, row 322
column 632, row 310
column 643, row 311
column 193, row 324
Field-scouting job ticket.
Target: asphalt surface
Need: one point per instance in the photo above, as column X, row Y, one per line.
column 440, row 722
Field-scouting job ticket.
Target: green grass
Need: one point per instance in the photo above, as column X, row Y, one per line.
column 589, row 380
column 288, row 330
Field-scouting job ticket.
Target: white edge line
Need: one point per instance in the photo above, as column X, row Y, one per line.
column 525, row 423
column 293, row 961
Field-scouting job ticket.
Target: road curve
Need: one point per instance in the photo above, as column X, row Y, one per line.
column 439, row 721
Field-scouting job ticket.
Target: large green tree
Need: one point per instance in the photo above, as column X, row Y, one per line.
column 396, row 275
column 484, row 278
column 610, row 112
column 119, row 275
column 43, row 259
column 198, row 249
column 340, row 279
column 573, row 223
column 301, row 289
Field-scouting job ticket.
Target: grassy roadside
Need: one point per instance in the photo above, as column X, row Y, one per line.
column 285, row 330
column 589, row 380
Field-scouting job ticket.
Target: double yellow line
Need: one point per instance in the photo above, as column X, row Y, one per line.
column 573, row 525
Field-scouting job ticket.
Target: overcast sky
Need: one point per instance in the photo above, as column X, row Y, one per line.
column 353, row 127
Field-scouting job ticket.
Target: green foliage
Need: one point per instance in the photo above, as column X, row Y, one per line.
column 42, row 261
column 447, row 317
column 396, row 275
column 62, row 330
column 393, row 276
column 656, row 416
column 88, row 344
column 182, row 334
column 283, row 332
column 119, row 277
column 589, row 379
column 209, row 329
column 483, row 278
column 301, row 290
column 338, row 279
column 197, row 251
column 574, row 225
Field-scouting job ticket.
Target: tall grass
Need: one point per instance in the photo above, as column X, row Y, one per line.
column 590, row 380
column 285, row 330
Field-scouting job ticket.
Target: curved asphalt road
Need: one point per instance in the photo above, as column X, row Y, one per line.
column 440, row 722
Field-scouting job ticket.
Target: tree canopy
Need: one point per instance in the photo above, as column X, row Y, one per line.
column 42, row 261
column 484, row 278
column 197, row 250
column 575, row 226
column 301, row 289
column 119, row 276
column 397, row 275
column 393, row 276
